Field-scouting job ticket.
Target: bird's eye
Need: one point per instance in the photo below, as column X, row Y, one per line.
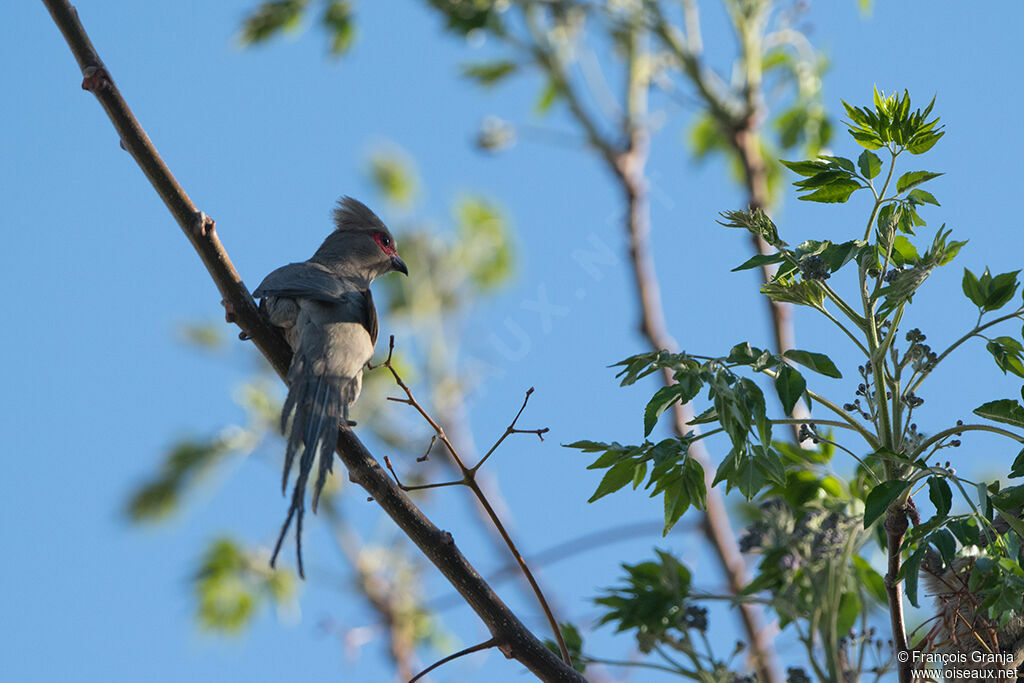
column 385, row 240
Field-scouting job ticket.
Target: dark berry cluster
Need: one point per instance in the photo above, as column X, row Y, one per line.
column 814, row 268
column 696, row 617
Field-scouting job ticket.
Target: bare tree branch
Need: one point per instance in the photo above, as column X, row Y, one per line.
column 509, row 634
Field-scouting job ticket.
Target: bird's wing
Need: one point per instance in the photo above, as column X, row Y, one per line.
column 302, row 280
column 369, row 316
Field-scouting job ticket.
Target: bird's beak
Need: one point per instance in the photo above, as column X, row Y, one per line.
column 398, row 264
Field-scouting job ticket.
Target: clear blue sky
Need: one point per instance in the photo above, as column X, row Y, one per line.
column 97, row 277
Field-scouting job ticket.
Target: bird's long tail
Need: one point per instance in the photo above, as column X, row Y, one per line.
column 310, row 420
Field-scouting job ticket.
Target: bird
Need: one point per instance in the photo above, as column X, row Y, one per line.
column 326, row 311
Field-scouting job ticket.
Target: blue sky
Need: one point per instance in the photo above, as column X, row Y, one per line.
column 97, row 279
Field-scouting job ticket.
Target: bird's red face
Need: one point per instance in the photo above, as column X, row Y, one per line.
column 388, row 246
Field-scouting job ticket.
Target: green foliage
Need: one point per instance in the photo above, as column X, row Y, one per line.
column 204, row 336
column 890, row 122
column 484, row 243
column 573, row 643
column 678, row 478
column 489, row 73
column 270, row 19
column 1008, row 411
column 394, row 175
column 338, row 21
column 829, row 180
column 450, row 270
column 818, row 362
column 183, row 465
column 652, row 601
column 232, row 585
column 465, row 16
column 809, row 527
column 990, row 293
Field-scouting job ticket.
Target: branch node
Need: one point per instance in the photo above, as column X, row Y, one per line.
column 95, row 78
column 426, row 456
column 202, row 225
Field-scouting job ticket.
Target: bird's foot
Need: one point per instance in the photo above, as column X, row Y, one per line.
column 230, row 314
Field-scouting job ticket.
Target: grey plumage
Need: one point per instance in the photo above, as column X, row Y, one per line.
column 326, row 310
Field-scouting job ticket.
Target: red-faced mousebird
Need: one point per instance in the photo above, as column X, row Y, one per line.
column 326, row 311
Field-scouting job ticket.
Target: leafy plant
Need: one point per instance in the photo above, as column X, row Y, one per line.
column 811, row 525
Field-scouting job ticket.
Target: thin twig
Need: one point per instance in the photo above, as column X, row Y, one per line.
column 469, row 480
column 515, row 640
column 461, row 653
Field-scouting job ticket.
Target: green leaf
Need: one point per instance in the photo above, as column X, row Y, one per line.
column 573, row 643
column 185, row 463
column 759, row 260
column 944, row 541
column 394, row 176
column 338, row 20
column 614, row 479
column 806, row 168
column 232, row 583
column 1008, row 354
column 910, row 571
column 748, row 478
column 1017, row 469
column 548, row 95
column 822, row 179
column 683, row 392
column 972, row 288
column 686, row 490
column 923, row 197
column 849, row 610
column 1008, row 499
column 484, row 247
column 843, row 163
column 870, row 579
column 790, row 385
column 922, row 143
column 707, row 417
column 1008, row 411
column 912, row 179
column 818, row 362
column 489, row 73
column 866, row 139
column 904, row 253
column 770, row 465
column 270, row 18
column 869, row 164
column 639, row 472
column 838, row 255
column 744, row 354
column 835, row 193
column 1002, row 289
column 880, row 498
column 940, row 495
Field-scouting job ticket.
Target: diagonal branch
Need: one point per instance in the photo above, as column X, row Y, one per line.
column 510, row 635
